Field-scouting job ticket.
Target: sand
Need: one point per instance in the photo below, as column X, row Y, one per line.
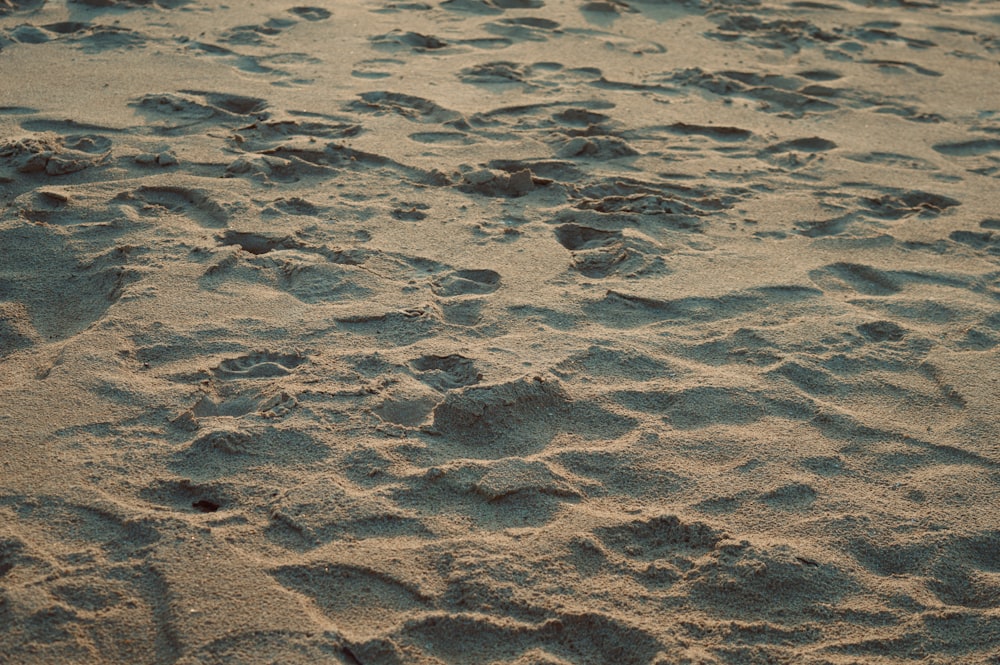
column 500, row 331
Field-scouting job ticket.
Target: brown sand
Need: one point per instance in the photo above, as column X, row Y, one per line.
column 499, row 331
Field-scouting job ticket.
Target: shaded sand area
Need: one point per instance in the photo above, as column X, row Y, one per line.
column 499, row 331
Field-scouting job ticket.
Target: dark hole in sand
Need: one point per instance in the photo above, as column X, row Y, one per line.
column 205, row 506
column 255, row 243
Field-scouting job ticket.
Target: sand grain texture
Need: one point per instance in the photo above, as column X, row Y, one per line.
column 500, row 331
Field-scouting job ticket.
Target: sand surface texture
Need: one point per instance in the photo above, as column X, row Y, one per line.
column 499, row 331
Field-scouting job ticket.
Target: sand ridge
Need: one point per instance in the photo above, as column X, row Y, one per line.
column 499, row 331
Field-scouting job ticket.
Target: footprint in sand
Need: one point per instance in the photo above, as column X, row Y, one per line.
column 131, row 4
column 193, row 203
column 375, row 68
column 493, row 73
column 257, row 243
column 192, row 107
column 972, row 148
column 12, row 6
column 55, row 155
column 601, row 634
column 490, row 6
column 665, row 537
column 776, row 94
column 410, row 107
column 595, row 252
column 396, row 39
column 599, row 253
column 261, row 364
column 528, row 28
column 311, row 13
column 716, row 133
column 464, row 311
column 446, row 372
column 466, row 282
column 892, row 159
column 898, row 204
column 882, row 331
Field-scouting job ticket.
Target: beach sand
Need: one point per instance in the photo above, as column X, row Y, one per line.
column 500, row 331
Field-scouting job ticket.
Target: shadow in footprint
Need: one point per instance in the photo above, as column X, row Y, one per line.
column 972, row 148
column 856, row 277
column 311, row 13
column 257, row 243
column 519, row 417
column 574, row 237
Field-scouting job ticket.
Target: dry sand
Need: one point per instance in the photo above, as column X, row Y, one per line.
column 499, row 331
